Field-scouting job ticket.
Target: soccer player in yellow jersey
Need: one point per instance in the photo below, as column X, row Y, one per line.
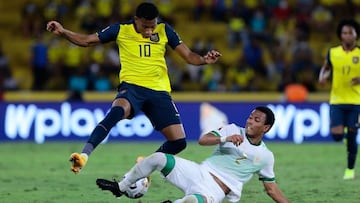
column 343, row 64
column 144, row 82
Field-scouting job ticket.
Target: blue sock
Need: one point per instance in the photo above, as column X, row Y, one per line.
column 103, row 128
column 351, row 148
column 173, row 147
column 338, row 137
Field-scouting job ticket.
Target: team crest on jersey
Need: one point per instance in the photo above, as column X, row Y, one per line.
column 155, row 37
column 355, row 59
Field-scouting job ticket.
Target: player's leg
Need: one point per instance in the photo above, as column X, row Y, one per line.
column 123, row 106
column 163, row 114
column 195, row 181
column 337, row 122
column 177, row 171
column 352, row 146
column 180, row 172
column 176, row 141
column 141, row 169
column 186, row 175
column 145, row 167
column 120, row 109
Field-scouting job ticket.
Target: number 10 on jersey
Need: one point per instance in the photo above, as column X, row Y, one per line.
column 144, row 50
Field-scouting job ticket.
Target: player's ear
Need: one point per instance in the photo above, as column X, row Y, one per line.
column 267, row 128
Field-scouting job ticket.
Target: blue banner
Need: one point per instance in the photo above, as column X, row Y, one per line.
column 61, row 121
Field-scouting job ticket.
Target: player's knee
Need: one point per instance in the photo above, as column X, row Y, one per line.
column 352, row 131
column 173, row 147
column 181, row 144
column 337, row 137
column 115, row 115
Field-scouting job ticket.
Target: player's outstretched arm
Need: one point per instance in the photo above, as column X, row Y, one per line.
column 211, row 139
column 83, row 40
column 275, row 193
column 194, row 58
column 324, row 73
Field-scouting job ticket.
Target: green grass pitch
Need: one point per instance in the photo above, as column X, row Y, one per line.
column 33, row 173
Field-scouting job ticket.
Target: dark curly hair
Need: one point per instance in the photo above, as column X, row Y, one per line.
column 348, row 22
column 147, row 10
column 270, row 117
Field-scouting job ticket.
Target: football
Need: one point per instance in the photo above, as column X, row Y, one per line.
column 138, row 189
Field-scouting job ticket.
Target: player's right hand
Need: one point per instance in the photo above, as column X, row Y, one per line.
column 54, row 27
column 235, row 139
column 78, row 161
column 324, row 75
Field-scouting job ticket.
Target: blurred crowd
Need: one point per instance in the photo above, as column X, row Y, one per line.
column 280, row 42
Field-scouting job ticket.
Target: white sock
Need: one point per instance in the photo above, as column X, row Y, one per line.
column 143, row 169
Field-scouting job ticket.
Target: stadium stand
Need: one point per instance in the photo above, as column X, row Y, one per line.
column 282, row 56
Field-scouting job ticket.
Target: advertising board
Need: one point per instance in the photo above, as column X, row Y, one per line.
column 62, row 121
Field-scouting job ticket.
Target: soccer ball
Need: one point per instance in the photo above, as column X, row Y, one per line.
column 138, row 189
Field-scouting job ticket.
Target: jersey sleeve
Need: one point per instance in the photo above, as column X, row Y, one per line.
column 267, row 174
column 226, row 130
column 328, row 58
column 109, row 33
column 173, row 38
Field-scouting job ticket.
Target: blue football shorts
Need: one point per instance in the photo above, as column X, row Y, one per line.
column 158, row 106
column 344, row 114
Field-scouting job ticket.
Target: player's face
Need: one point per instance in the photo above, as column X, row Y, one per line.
column 145, row 27
column 348, row 35
column 255, row 124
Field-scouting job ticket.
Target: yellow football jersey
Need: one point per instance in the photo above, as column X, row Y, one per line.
column 142, row 59
column 345, row 66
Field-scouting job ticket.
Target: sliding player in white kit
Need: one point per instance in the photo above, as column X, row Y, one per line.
column 240, row 153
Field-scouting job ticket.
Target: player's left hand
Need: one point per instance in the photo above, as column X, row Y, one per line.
column 212, row 56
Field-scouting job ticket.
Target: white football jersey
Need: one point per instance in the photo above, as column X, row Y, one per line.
column 235, row 165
